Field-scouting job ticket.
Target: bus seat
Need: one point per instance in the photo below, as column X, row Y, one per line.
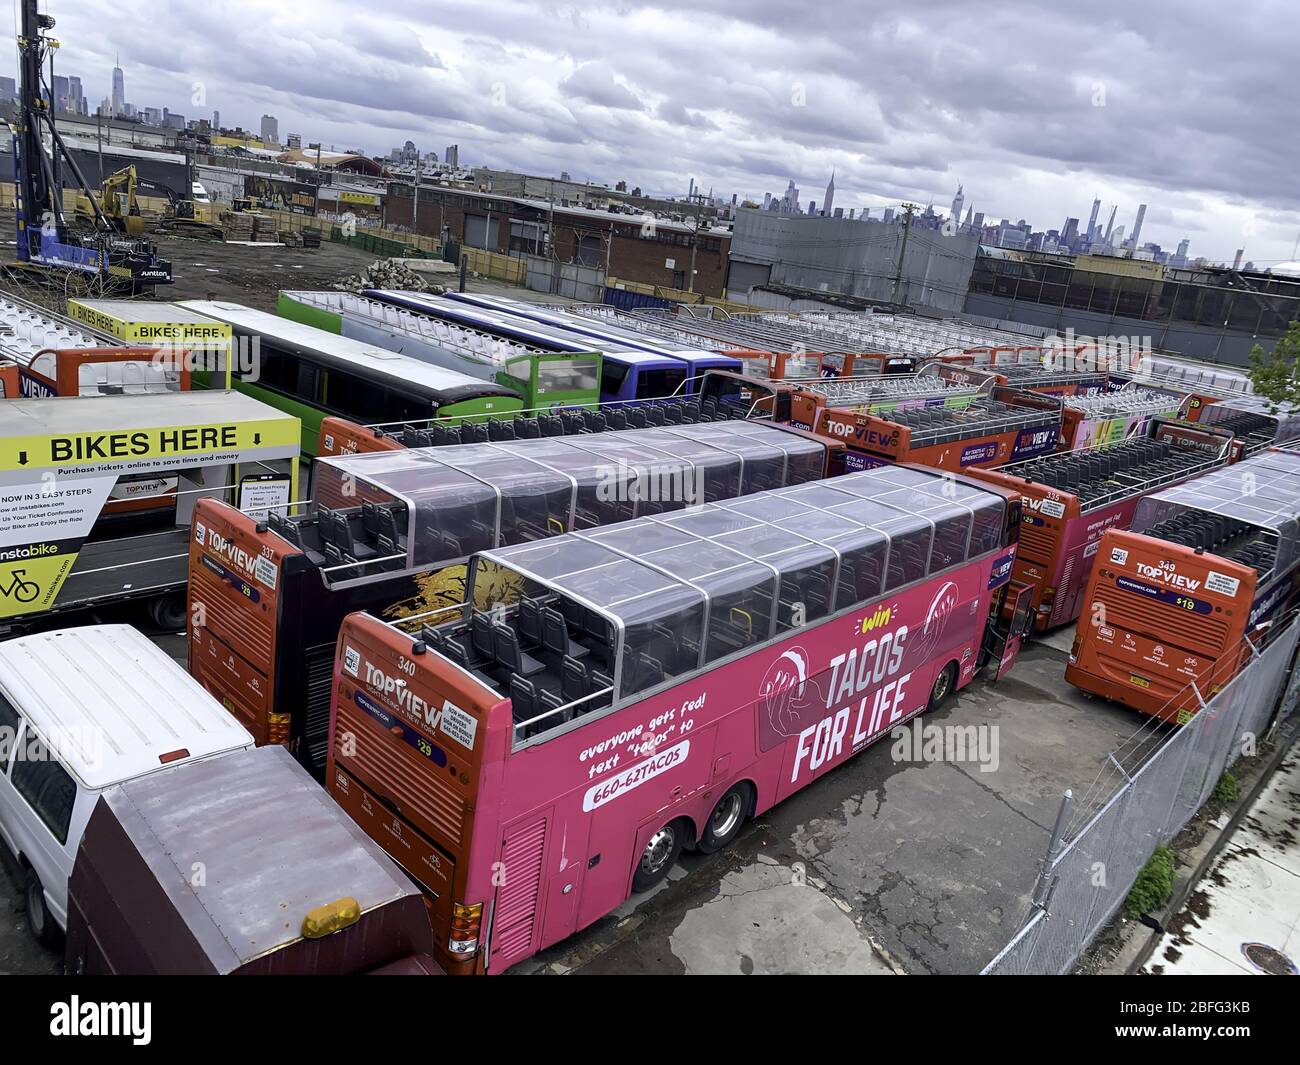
column 369, row 521
column 615, row 419
column 508, row 655
column 524, row 705
column 673, row 413
column 555, row 635
column 636, row 418
column 654, row 414
column 475, row 434
column 500, row 429
column 599, row 683
column 530, row 620
column 574, row 680
column 482, row 635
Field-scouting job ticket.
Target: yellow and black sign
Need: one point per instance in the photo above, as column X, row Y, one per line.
column 92, row 448
column 147, row 323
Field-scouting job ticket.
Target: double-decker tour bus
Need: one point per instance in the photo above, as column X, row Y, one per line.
column 389, row 532
column 10, row 379
column 1189, row 591
column 545, row 378
column 1003, row 426
column 1103, row 418
column 810, row 400
column 1256, row 422
column 1070, row 499
column 650, row 686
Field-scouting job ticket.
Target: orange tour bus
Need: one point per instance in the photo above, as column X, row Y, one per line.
column 1176, row 602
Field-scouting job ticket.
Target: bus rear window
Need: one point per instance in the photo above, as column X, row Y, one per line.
column 566, row 375
column 651, row 384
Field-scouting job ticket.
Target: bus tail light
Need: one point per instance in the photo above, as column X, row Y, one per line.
column 277, row 728
column 465, row 924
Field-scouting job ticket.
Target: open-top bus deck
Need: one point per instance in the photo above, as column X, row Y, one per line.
column 1006, row 425
column 389, row 531
column 1070, row 499
column 1103, row 418
column 1184, row 596
column 603, row 699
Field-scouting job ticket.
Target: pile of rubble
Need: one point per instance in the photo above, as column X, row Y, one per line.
column 386, row 273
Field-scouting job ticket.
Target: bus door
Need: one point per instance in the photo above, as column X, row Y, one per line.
column 1010, row 625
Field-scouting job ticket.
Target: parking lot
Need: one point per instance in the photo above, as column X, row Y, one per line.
column 883, row 865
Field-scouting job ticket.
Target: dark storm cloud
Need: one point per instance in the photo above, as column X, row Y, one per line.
column 1033, row 106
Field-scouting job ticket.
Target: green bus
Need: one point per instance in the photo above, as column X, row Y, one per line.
column 311, row 373
column 544, row 378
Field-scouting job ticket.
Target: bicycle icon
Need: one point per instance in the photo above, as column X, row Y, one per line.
column 21, row 590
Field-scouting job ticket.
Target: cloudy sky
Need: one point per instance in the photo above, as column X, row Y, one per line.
column 1034, row 107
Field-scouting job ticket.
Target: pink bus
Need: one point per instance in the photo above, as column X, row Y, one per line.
column 605, row 698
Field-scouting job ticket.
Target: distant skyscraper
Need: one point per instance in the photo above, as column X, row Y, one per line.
column 216, row 119
column 1137, row 225
column 1092, row 219
column 978, row 222
column 1236, row 262
column 829, row 203
column 1110, row 226
column 270, row 130
column 957, row 201
column 119, row 89
column 452, row 155
column 1183, row 245
column 888, row 216
column 8, row 88
column 153, row 116
column 1070, row 232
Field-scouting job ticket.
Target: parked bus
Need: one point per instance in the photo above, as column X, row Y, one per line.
column 675, row 368
column 868, row 363
column 1188, row 593
column 694, row 669
column 1006, row 425
column 115, row 371
column 698, row 359
column 1105, row 418
column 309, row 373
column 1257, row 423
column 543, row 378
column 779, row 365
column 1070, row 499
column 389, row 532
column 811, row 400
column 342, row 437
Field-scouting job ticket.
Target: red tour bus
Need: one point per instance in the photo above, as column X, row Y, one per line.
column 777, row 365
column 810, row 400
column 389, row 532
column 1007, row 425
column 1069, row 499
column 105, row 372
column 1183, row 595
column 1103, row 418
column 604, row 699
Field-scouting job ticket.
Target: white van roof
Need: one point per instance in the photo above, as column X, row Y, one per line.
column 110, row 703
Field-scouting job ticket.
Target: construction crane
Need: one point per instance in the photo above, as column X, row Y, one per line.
column 47, row 242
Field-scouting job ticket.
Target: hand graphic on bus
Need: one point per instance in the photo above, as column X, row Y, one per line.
column 792, row 699
column 23, row 591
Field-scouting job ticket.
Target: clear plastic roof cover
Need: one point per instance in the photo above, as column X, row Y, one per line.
column 448, row 502
column 1262, row 491
column 721, row 576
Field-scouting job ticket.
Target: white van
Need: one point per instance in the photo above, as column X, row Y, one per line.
column 81, row 710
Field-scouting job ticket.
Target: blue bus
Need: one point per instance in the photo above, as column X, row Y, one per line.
column 629, row 374
column 697, row 359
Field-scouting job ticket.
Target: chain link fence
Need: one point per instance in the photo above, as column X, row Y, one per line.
column 1089, row 870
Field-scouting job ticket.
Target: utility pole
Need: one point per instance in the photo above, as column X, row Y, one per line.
column 415, row 205
column 695, row 239
column 908, row 209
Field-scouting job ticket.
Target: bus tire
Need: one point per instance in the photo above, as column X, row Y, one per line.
column 726, row 819
column 944, row 685
column 40, row 922
column 659, row 855
column 168, row 611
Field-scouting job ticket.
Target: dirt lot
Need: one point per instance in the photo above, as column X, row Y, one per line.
column 209, row 269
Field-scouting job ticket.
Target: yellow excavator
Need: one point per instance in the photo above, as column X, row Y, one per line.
column 119, row 201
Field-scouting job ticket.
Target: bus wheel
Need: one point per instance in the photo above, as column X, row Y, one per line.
column 168, row 612
column 660, row 853
column 726, row 820
column 944, row 684
column 39, row 920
